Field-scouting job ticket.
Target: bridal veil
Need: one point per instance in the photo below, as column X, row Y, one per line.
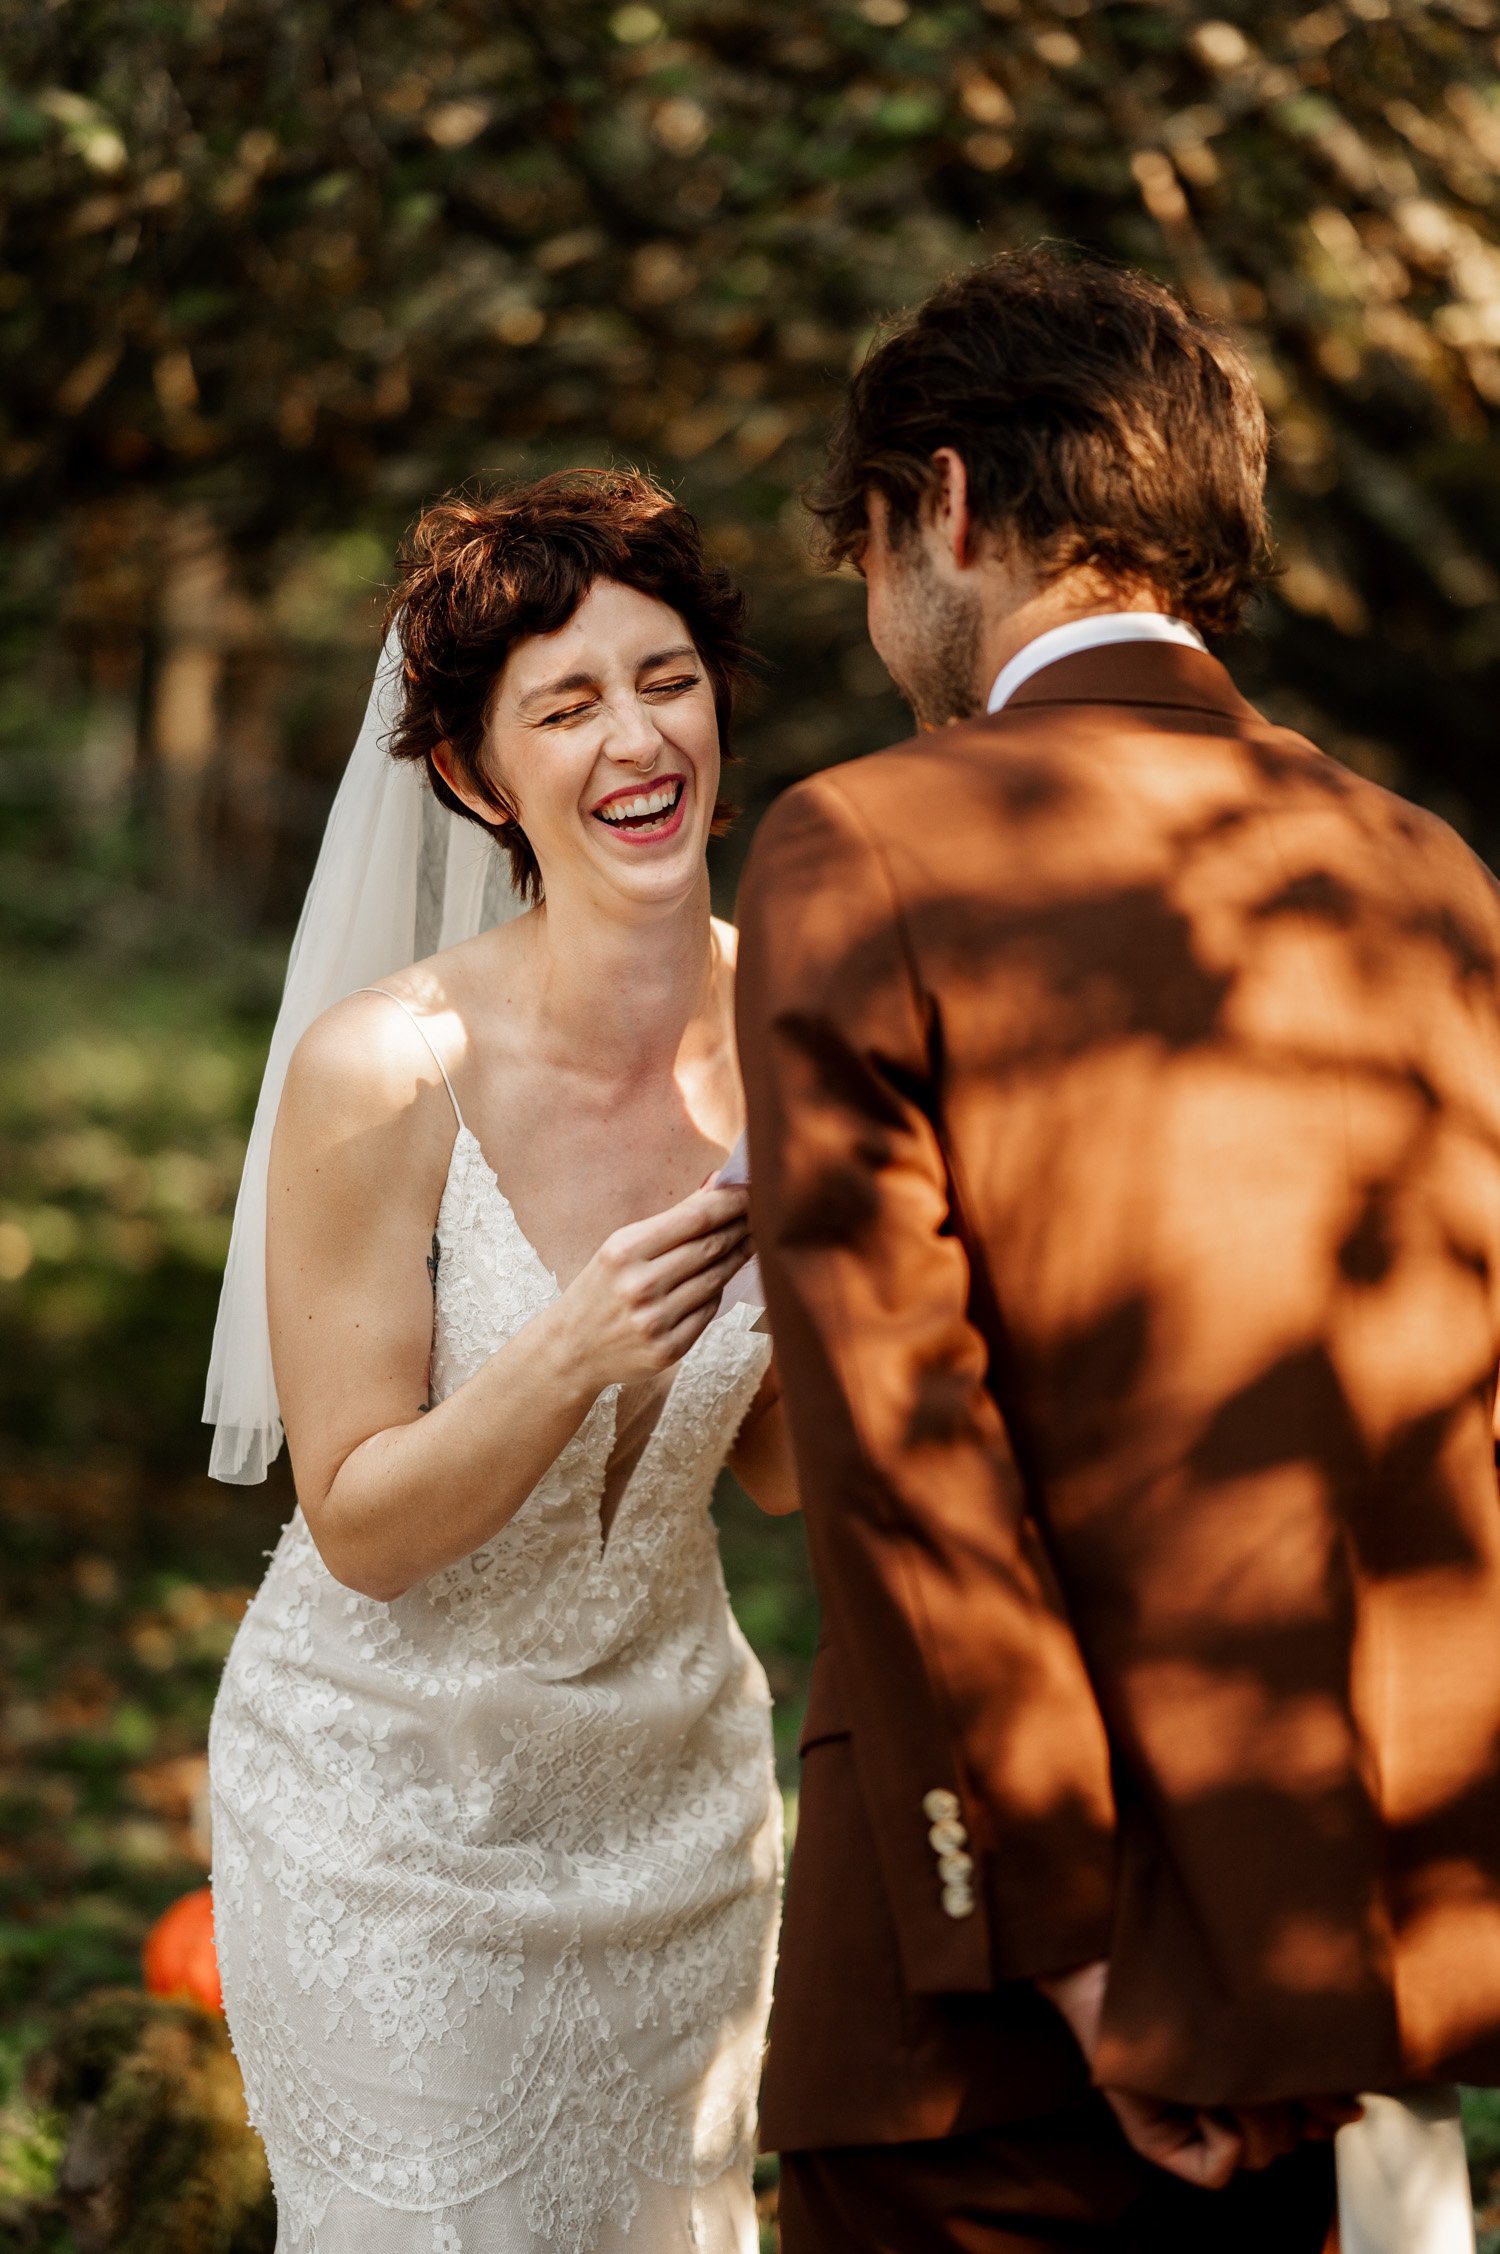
column 397, row 878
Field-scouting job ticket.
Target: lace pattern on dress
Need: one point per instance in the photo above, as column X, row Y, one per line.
column 496, row 1864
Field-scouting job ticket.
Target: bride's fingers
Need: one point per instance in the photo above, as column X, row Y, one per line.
column 698, row 1293
column 670, row 1269
column 693, row 1301
column 696, row 1216
column 687, row 1334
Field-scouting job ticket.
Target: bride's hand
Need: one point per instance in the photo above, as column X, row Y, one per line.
column 651, row 1289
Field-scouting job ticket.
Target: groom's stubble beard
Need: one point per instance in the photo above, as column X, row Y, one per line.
column 935, row 663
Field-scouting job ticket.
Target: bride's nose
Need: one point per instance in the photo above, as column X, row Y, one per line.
column 634, row 739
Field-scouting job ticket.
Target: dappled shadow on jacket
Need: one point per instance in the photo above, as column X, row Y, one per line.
column 1125, row 1091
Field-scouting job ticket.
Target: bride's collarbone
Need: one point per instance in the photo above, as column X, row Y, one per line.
column 570, row 1191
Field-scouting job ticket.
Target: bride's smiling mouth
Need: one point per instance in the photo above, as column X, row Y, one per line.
column 644, row 812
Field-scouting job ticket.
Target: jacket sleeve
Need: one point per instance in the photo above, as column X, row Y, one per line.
column 961, row 1672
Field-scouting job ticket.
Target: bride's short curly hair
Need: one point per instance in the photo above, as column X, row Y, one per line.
column 486, row 567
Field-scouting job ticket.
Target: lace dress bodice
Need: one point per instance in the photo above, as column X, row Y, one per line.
column 496, row 1864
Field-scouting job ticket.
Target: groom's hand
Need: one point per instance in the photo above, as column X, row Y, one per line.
column 1079, row 1996
column 1206, row 2147
column 1202, row 2148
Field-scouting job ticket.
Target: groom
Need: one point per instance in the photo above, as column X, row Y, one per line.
column 1124, row 1086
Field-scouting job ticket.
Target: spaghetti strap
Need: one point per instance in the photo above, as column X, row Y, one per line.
column 427, row 1037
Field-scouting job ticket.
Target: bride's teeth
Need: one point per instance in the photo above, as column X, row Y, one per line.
column 641, row 807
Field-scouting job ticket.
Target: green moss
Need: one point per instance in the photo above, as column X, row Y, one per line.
column 153, row 2154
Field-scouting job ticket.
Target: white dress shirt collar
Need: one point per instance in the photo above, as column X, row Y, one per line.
column 1088, row 634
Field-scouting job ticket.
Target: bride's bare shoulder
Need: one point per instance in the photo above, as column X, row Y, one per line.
column 362, row 1065
column 363, row 1061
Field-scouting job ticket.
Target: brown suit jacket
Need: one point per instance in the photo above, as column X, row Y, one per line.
column 1124, row 1088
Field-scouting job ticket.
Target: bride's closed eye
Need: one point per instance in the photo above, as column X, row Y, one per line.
column 572, row 712
column 674, row 687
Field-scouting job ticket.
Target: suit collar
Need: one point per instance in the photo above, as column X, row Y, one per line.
column 1144, row 673
column 1097, row 631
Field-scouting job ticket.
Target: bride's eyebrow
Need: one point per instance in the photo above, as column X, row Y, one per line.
column 666, row 657
column 558, row 688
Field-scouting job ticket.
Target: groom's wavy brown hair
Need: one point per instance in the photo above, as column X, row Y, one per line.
column 1100, row 422
column 485, row 568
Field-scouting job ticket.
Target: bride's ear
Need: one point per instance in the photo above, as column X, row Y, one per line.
column 492, row 808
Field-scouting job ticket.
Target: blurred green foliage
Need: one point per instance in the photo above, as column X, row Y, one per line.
column 121, row 1134
column 1482, row 2134
column 274, row 271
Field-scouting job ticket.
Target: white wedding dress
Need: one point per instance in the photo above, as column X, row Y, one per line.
column 496, row 1865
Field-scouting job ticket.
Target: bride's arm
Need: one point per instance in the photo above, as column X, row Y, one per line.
column 392, row 1490
column 761, row 1458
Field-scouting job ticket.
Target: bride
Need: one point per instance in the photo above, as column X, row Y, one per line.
column 497, row 1840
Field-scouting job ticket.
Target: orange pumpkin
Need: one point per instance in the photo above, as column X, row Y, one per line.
column 180, row 1958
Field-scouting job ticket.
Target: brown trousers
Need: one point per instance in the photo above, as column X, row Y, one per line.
column 1068, row 2184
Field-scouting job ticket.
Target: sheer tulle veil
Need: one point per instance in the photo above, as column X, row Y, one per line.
column 397, row 878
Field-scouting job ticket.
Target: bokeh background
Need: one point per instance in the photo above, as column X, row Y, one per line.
column 273, row 273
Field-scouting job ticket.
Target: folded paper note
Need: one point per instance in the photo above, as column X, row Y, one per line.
column 1403, row 2179
column 745, row 1287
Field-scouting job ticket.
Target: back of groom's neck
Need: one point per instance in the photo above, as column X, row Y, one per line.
column 1017, row 607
